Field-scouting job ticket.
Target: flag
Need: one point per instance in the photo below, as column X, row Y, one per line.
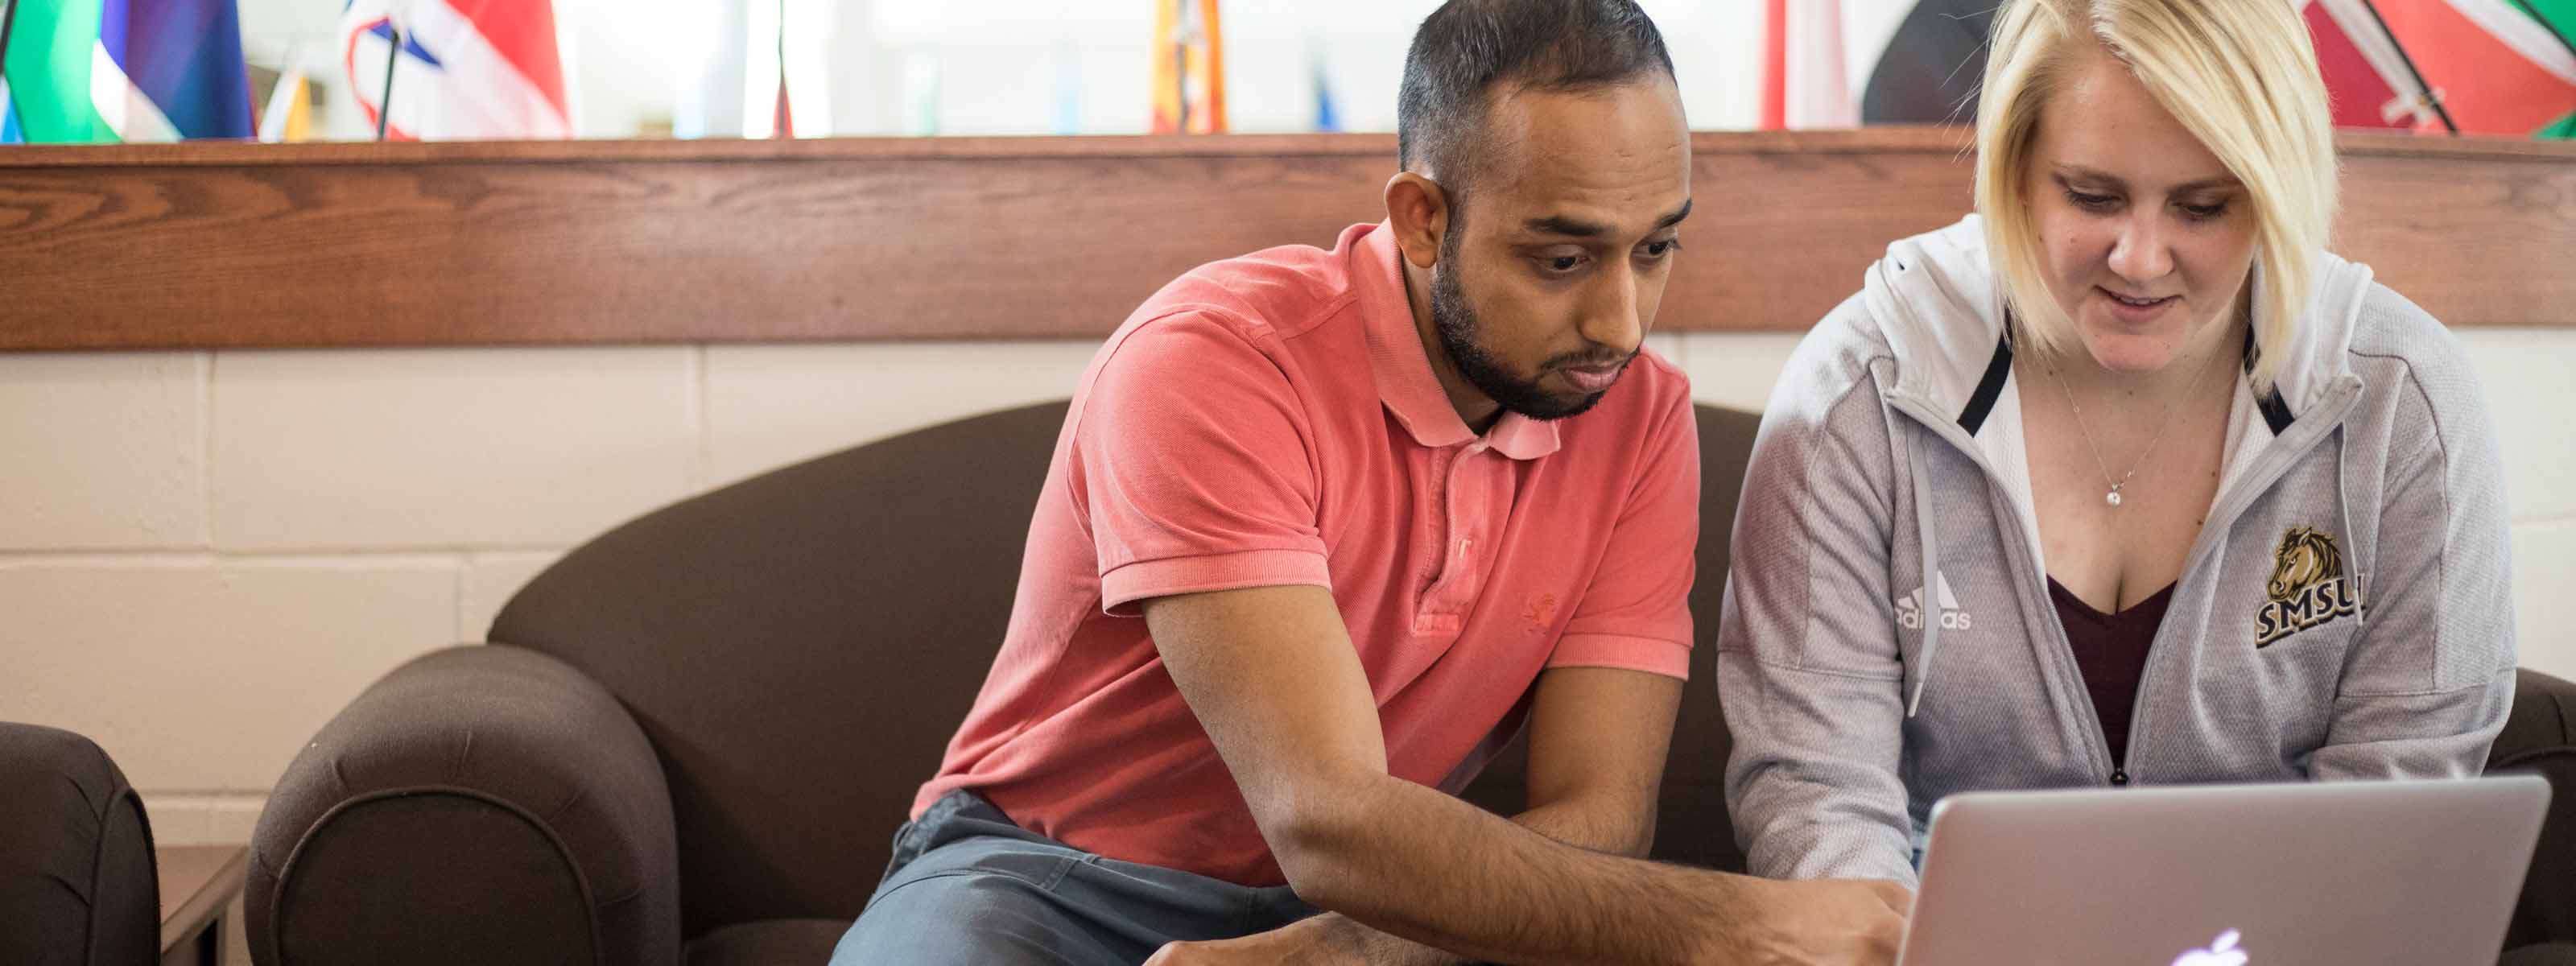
column 2484, row 66
column 289, row 115
column 8, row 111
column 1327, row 117
column 1804, row 83
column 467, row 68
column 2368, row 82
column 1068, row 89
column 96, row 71
column 1835, row 63
column 2560, row 17
column 1933, row 60
column 2496, row 67
column 1189, row 68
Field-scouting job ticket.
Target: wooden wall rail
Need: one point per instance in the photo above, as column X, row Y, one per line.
column 234, row 245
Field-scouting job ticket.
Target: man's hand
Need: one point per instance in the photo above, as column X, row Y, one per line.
column 1310, row 942
column 1831, row 922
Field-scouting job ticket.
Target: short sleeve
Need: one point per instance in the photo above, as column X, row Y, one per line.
column 1194, row 466
column 1636, row 613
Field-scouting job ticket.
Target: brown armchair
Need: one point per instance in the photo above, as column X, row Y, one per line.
column 691, row 739
column 78, row 884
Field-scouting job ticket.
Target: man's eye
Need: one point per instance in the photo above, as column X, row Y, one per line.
column 1662, row 248
column 1562, row 263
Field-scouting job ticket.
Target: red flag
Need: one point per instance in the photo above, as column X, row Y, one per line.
column 2495, row 69
column 2365, row 82
column 1803, row 79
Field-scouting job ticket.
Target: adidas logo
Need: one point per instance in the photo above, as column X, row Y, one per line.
column 1909, row 608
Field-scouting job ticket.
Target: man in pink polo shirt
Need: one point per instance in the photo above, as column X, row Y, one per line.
column 1323, row 529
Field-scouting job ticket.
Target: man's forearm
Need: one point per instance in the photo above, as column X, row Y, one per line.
column 1430, row 868
column 1610, row 827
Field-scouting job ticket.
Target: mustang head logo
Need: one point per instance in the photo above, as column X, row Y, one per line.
column 2305, row 558
column 2308, row 586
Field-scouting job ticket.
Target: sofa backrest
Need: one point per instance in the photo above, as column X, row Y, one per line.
column 798, row 647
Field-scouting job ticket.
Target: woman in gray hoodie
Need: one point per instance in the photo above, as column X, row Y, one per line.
column 2122, row 480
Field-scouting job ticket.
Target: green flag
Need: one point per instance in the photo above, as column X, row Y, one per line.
column 52, row 44
column 2560, row 17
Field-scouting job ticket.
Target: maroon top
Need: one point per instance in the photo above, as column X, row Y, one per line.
column 2111, row 649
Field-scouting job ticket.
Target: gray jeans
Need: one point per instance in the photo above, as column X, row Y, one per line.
column 968, row 888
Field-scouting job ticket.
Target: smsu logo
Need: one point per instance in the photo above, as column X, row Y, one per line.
column 1909, row 608
column 2308, row 586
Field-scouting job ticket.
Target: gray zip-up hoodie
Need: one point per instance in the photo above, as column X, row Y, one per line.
column 1888, row 637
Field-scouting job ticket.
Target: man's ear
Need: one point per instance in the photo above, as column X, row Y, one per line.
column 1418, row 211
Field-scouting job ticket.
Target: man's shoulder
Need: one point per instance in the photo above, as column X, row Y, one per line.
column 1275, row 293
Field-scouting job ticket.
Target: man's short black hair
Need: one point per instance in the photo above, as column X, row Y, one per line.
column 1468, row 47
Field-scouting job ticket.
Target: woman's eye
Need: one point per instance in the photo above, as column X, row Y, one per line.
column 2205, row 212
column 2091, row 202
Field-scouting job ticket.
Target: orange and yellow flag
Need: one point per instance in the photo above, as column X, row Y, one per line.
column 1189, row 68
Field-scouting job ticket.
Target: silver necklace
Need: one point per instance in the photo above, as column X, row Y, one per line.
column 2112, row 496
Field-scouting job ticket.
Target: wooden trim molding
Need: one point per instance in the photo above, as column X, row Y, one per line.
column 218, row 245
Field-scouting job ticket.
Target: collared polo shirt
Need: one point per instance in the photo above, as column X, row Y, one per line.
column 1273, row 420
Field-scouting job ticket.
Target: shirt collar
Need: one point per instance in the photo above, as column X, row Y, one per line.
column 1403, row 370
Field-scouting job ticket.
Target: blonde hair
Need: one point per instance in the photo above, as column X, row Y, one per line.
column 2240, row 75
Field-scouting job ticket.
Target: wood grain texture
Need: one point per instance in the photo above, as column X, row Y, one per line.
column 233, row 245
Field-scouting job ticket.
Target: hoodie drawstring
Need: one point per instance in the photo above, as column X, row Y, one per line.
column 2343, row 505
column 1930, row 608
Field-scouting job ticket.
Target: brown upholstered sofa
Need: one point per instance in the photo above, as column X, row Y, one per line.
column 78, row 886
column 691, row 739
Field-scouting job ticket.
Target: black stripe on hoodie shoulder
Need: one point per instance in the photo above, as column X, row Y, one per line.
column 1982, row 402
column 2276, row 411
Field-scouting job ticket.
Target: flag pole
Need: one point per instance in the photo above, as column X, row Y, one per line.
column 2554, row 33
column 8, row 19
column 782, row 123
column 385, row 103
column 2421, row 88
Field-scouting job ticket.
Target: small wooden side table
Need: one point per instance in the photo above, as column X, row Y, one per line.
column 198, row 882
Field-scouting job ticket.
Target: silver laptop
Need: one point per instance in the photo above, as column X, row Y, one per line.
column 2398, row 872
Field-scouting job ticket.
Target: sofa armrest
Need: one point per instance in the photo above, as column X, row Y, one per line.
column 76, row 866
column 480, row 804
column 2539, row 736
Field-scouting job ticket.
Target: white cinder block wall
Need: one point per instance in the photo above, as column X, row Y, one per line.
column 204, row 555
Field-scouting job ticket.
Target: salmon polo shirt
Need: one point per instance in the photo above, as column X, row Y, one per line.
column 1273, row 420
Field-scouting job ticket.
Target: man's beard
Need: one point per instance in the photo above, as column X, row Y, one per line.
column 1459, row 336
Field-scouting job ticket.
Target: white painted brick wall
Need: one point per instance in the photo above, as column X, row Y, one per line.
column 102, row 450
column 2532, row 399
column 768, row 406
column 201, row 675
column 1736, row 371
column 446, row 448
column 490, row 581
column 2544, row 608
column 367, row 506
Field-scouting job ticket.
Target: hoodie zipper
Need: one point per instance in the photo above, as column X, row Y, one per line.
column 2276, row 461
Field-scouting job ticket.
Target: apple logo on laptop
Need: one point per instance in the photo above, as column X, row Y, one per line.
column 2222, row 952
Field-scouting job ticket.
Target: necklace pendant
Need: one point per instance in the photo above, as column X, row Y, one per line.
column 2113, row 497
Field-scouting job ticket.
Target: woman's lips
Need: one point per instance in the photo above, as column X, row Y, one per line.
column 2136, row 311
